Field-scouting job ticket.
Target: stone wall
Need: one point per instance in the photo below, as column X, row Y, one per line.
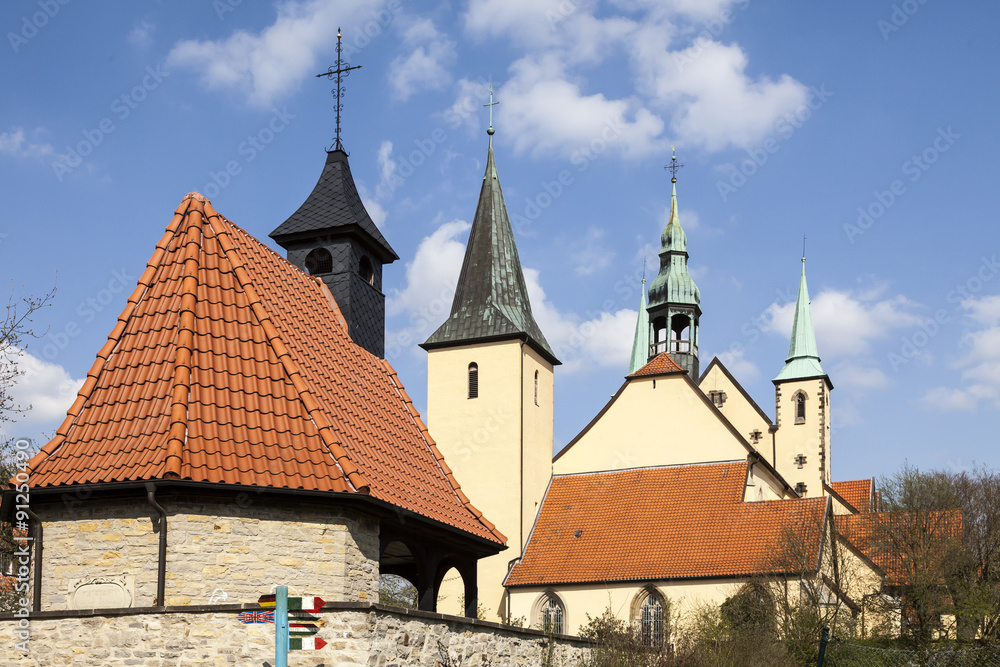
column 357, row 635
column 216, row 552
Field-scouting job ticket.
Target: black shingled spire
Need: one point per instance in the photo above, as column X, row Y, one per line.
column 332, row 236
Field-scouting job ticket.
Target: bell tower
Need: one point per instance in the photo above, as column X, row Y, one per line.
column 490, row 385
column 674, row 300
column 331, row 236
column 802, row 406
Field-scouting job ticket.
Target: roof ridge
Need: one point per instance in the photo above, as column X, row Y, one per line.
column 438, row 456
column 305, row 394
column 114, row 338
column 181, row 392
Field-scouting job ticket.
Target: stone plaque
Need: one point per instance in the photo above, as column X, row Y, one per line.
column 102, row 592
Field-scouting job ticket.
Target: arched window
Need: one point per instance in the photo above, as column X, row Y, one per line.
column 319, row 261
column 366, row 272
column 800, row 407
column 536, row 387
column 473, row 380
column 549, row 613
column 649, row 617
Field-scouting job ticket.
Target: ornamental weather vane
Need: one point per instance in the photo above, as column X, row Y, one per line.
column 673, row 166
column 343, row 70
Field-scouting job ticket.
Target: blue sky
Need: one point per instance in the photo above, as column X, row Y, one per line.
column 869, row 127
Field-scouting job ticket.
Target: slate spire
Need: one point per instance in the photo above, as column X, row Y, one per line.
column 491, row 299
column 331, row 236
column 803, row 355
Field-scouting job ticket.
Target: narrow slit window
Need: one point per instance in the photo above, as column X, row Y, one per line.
column 536, row 387
column 800, row 408
column 473, row 380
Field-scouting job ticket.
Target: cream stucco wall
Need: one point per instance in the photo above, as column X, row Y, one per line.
column 811, row 438
column 738, row 410
column 581, row 600
column 499, row 445
column 653, row 422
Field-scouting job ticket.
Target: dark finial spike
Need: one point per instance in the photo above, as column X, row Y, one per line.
column 343, row 70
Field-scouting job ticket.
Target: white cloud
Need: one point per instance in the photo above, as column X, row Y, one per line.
column 591, row 254
column 468, row 105
column 739, row 365
column 545, row 112
column 704, row 83
column 604, row 340
column 979, row 363
column 16, row 144
column 696, row 84
column 846, row 322
column 141, row 34
column 426, row 65
column 858, row 375
column 387, row 172
column 431, row 278
column 48, row 388
column 270, row 63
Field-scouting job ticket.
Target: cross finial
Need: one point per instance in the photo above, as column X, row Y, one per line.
column 673, row 166
column 343, row 69
column 803, row 248
column 492, row 104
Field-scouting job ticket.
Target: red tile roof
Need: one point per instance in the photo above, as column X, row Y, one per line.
column 230, row 365
column 857, row 492
column 661, row 364
column 661, row 523
column 905, row 545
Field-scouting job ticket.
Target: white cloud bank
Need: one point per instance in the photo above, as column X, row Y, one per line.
column 48, row 388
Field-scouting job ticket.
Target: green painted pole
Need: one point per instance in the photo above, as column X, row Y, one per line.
column 823, row 641
column 281, row 627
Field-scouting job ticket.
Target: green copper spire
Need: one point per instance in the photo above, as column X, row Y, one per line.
column 491, row 298
column 640, row 345
column 803, row 355
column 674, row 308
column 673, row 284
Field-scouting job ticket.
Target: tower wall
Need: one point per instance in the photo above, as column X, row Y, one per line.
column 809, row 438
column 499, row 444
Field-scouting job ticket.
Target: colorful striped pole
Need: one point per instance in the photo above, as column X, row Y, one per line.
column 281, row 627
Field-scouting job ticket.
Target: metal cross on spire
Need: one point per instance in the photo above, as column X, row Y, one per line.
column 492, row 104
column 343, row 70
column 673, row 166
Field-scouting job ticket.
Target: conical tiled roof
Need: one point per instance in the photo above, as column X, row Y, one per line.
column 334, row 207
column 491, row 300
column 230, row 365
column 803, row 355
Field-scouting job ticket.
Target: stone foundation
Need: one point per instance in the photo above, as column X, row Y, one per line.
column 358, row 635
column 216, row 552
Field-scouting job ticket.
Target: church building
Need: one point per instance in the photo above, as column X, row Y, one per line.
column 634, row 514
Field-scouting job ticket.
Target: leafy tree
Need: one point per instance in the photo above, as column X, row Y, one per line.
column 396, row 591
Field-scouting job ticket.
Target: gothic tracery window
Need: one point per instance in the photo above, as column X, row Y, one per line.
column 650, row 617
